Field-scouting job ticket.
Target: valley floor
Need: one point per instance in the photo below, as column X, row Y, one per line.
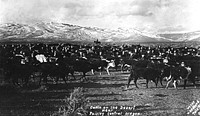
column 102, row 91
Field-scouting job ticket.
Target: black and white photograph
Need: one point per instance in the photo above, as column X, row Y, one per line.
column 99, row 57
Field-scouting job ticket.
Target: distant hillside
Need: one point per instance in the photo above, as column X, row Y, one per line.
column 51, row 31
column 190, row 36
column 66, row 32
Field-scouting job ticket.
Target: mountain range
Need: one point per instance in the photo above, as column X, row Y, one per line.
column 51, row 31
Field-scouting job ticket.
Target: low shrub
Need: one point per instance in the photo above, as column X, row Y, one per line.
column 76, row 104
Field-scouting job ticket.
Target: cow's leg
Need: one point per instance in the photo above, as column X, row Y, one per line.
column 129, row 81
column 122, row 68
column 32, row 77
column 193, row 81
column 161, row 81
column 156, row 82
column 83, row 77
column 66, row 76
column 15, row 80
column 101, row 69
column 135, row 81
column 12, row 79
column 130, row 78
column 72, row 73
column 185, row 81
column 84, row 74
column 40, row 80
column 92, row 71
column 168, row 78
column 22, row 83
column 147, row 81
column 57, row 79
column 107, row 70
column 115, row 67
column 26, row 81
column 174, row 83
column 63, row 77
column 127, row 69
column 160, row 78
column 44, row 77
column 192, row 78
column 22, row 80
column 168, row 84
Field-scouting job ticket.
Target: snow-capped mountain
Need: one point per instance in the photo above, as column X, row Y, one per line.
column 50, row 31
column 184, row 36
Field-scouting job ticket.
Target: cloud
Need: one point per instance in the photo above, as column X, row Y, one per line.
column 24, row 11
column 149, row 15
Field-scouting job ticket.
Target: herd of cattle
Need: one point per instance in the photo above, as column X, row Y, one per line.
column 22, row 61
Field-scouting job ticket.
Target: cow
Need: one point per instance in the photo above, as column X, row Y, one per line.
column 134, row 63
column 162, row 67
column 78, row 64
column 116, row 61
column 181, row 72
column 195, row 66
column 146, row 73
column 17, row 70
column 54, row 69
column 85, row 65
column 101, row 64
column 41, row 58
column 82, row 65
column 124, row 62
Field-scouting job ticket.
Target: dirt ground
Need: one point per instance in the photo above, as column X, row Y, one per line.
column 102, row 90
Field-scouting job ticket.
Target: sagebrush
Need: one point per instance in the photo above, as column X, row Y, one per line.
column 76, row 104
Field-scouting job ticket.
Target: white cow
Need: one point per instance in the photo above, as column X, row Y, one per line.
column 41, row 58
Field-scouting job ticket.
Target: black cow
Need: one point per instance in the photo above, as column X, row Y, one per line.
column 180, row 73
column 54, row 69
column 77, row 64
column 165, row 73
column 16, row 71
column 195, row 66
column 82, row 65
column 146, row 73
column 101, row 64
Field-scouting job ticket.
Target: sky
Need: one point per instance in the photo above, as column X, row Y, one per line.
column 145, row 15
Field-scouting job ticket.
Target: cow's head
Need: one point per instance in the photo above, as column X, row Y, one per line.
column 112, row 63
column 182, row 64
column 167, row 78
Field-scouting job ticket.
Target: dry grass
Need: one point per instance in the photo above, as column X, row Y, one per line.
column 102, row 90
